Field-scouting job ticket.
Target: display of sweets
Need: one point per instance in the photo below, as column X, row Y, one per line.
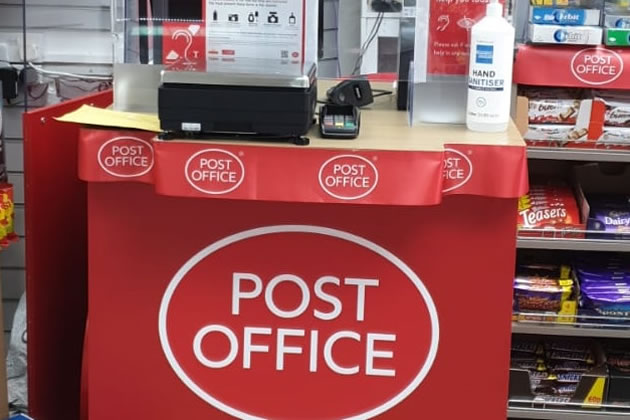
column 557, row 115
column 7, row 216
column 555, row 367
column 604, row 286
column 617, row 357
column 540, row 287
column 610, row 214
column 616, row 116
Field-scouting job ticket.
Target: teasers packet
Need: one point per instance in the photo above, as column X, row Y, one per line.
column 548, row 206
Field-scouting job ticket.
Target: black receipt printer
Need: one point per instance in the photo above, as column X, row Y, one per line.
column 242, row 96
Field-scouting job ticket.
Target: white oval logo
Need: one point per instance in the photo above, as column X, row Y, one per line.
column 253, row 314
column 458, row 169
column 126, row 157
column 215, row 171
column 597, row 66
column 348, row 177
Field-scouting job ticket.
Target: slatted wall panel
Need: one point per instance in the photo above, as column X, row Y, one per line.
column 67, row 35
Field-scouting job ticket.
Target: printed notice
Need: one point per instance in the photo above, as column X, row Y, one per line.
column 270, row 29
column 443, row 36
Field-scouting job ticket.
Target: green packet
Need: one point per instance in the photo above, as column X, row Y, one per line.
column 615, row 37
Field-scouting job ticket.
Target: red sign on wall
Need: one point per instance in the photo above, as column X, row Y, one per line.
column 448, row 45
column 310, row 317
column 184, row 45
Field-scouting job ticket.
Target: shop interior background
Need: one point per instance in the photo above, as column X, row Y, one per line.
column 69, row 50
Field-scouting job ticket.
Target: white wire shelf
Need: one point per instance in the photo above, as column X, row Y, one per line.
column 570, row 244
column 571, row 239
column 565, row 414
column 573, row 326
column 582, row 155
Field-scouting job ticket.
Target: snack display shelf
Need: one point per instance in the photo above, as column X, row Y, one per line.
column 582, row 155
column 564, row 414
column 570, row 325
column 570, row 244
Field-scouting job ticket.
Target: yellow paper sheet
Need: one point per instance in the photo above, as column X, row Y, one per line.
column 89, row 115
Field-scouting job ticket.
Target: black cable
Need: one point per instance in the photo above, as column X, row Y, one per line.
column 366, row 45
column 24, row 50
column 373, row 33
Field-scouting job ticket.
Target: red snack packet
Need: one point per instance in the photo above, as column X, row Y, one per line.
column 548, row 206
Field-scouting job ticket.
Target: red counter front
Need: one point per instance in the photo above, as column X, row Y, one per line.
column 266, row 281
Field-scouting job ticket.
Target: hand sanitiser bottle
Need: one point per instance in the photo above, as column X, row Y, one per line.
column 490, row 74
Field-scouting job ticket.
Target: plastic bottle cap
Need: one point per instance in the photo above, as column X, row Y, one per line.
column 494, row 9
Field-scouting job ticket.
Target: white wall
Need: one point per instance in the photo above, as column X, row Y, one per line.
column 63, row 35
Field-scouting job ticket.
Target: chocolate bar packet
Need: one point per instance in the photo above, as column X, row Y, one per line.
column 551, row 399
column 607, row 304
column 556, row 389
column 529, row 365
column 613, row 223
column 617, row 105
column 530, row 347
column 554, row 111
column 567, row 346
column 570, row 377
column 619, row 361
column 519, row 356
column 538, row 300
column 567, row 366
column 586, row 357
column 549, row 271
column 615, row 136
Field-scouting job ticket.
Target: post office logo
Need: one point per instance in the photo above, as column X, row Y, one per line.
column 348, row 177
column 280, row 322
column 215, row 171
column 597, row 66
column 458, row 170
column 126, row 157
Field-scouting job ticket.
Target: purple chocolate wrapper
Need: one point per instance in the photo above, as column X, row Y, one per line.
column 613, row 222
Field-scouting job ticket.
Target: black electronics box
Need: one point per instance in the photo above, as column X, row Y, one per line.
column 244, row 96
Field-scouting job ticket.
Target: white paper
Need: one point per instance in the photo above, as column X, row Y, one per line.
column 271, row 29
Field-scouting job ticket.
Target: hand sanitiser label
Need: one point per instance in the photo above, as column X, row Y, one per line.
column 490, row 72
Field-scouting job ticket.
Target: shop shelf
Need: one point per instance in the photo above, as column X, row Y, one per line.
column 570, row 244
column 585, row 326
column 565, row 414
column 572, row 154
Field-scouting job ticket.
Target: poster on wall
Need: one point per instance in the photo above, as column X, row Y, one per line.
column 253, row 29
column 271, row 29
column 443, row 36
